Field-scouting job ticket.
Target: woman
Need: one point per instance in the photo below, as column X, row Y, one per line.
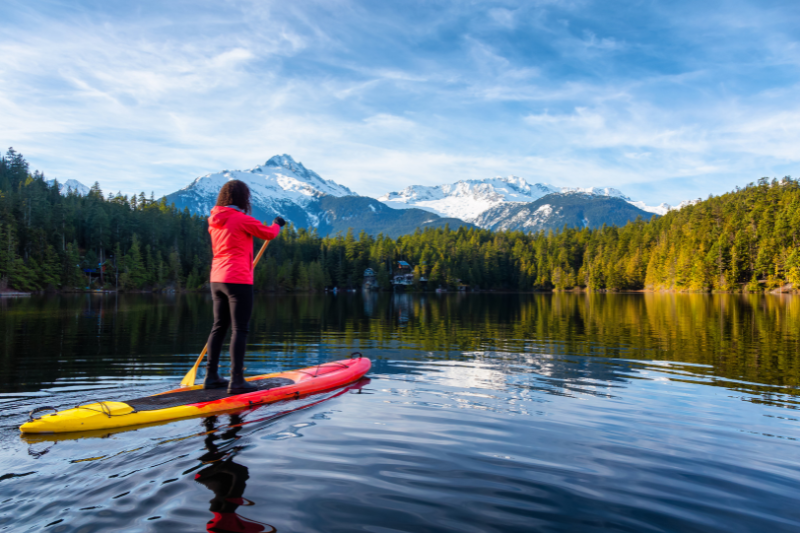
column 232, row 230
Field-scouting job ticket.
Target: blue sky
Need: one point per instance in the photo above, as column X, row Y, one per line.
column 664, row 100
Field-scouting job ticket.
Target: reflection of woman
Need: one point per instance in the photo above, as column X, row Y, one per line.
column 232, row 230
column 227, row 480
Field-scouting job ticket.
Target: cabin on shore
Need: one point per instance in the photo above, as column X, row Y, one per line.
column 403, row 276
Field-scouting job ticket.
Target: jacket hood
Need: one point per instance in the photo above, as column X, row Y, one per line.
column 220, row 216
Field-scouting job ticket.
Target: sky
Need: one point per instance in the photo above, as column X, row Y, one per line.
column 666, row 101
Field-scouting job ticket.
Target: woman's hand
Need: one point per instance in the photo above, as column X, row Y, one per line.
column 279, row 221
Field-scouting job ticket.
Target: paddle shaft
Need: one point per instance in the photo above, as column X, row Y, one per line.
column 191, row 376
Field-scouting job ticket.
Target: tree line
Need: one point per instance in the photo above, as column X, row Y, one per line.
column 54, row 241
column 742, row 240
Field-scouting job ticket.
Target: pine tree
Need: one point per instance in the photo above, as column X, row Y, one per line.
column 50, row 273
column 135, row 275
column 303, row 282
column 175, row 269
column 71, row 275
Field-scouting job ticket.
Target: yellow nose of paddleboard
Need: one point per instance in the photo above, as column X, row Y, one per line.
column 81, row 418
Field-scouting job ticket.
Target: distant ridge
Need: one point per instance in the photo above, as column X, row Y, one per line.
column 70, row 184
column 556, row 210
column 470, row 200
column 285, row 187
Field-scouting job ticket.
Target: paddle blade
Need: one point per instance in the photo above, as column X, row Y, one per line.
column 190, row 377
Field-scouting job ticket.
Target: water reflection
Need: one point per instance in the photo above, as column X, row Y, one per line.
column 403, row 307
column 512, row 413
column 85, row 341
column 227, row 479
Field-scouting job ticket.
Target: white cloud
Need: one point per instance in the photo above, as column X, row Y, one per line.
column 605, row 43
column 502, row 17
column 365, row 97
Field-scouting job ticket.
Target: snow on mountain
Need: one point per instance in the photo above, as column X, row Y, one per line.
column 70, row 184
column 661, row 209
column 281, row 185
column 280, row 178
column 686, row 203
column 284, row 187
column 595, row 191
column 468, row 199
column 576, row 209
column 518, row 216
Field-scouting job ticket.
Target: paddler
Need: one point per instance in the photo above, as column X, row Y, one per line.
column 232, row 230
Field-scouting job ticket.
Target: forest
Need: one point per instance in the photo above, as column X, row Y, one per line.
column 745, row 240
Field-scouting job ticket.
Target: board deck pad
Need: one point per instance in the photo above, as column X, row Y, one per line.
column 177, row 399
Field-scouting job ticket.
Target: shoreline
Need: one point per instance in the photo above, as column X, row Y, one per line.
column 577, row 290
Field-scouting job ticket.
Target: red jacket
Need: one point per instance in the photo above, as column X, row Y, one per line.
column 232, row 235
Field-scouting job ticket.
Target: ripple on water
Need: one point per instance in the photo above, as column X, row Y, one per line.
column 496, row 414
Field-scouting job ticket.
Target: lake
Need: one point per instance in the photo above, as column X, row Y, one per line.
column 482, row 413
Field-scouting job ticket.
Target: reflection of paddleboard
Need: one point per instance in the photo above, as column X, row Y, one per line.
column 193, row 401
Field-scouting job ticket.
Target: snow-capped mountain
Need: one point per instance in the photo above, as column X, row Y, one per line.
column 468, row 199
column 554, row 211
column 284, row 187
column 279, row 186
column 661, row 209
column 70, row 184
column 686, row 203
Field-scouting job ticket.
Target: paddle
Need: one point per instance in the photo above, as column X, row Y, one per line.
column 188, row 379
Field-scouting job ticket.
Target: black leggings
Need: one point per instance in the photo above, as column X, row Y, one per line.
column 233, row 303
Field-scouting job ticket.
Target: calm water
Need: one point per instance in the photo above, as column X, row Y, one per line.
column 482, row 413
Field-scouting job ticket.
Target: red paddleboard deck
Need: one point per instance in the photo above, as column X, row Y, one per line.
column 194, row 401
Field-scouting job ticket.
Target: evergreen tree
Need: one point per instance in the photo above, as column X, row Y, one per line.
column 135, row 274
column 744, row 240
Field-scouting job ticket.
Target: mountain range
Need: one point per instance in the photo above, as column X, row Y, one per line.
column 555, row 210
column 470, row 199
column 283, row 186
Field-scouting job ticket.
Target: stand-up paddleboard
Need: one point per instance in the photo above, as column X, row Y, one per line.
column 193, row 401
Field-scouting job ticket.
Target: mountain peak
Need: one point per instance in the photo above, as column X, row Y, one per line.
column 70, row 185
column 597, row 191
column 466, row 199
column 280, row 186
column 287, row 162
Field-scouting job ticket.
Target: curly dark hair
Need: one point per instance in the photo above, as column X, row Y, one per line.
column 236, row 193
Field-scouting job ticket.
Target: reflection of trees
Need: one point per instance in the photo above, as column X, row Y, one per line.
column 402, row 307
column 370, row 300
column 85, row 332
column 753, row 338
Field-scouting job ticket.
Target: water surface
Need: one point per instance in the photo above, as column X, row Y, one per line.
column 482, row 413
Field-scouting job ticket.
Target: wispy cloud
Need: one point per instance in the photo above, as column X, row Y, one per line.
column 383, row 95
